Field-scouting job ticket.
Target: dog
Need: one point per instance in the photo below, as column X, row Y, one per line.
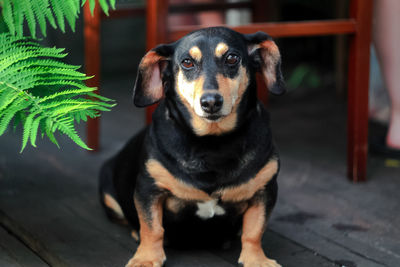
column 205, row 169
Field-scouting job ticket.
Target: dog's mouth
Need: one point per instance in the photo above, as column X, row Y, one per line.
column 213, row 117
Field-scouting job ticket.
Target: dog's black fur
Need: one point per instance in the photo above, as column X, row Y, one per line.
column 209, row 161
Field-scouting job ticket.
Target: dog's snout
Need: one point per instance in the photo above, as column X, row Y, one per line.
column 211, row 102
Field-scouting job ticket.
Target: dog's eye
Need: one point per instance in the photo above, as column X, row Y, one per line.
column 187, row 63
column 232, row 59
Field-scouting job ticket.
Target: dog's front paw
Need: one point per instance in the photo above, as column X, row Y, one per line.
column 256, row 259
column 138, row 263
column 265, row 262
column 147, row 260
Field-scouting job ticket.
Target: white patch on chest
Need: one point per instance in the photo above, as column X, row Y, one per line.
column 208, row 209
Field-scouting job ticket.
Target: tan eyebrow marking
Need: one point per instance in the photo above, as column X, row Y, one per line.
column 221, row 49
column 195, row 53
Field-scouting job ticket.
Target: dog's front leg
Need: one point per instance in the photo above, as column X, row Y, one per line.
column 150, row 252
column 254, row 223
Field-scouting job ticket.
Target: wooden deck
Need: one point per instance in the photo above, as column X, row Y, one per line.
column 50, row 213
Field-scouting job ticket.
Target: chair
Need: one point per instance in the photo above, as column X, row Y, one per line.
column 357, row 26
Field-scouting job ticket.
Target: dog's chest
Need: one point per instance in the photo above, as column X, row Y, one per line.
column 202, row 209
column 209, row 209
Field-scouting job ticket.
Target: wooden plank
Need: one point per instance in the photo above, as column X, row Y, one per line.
column 322, row 219
column 284, row 29
column 66, row 235
column 322, row 240
column 78, row 232
column 29, row 240
column 14, row 253
column 360, row 219
column 58, row 208
column 175, row 257
column 283, row 250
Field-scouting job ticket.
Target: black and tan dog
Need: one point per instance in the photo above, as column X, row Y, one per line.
column 206, row 167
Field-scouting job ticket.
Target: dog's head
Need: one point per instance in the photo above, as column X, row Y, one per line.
column 210, row 76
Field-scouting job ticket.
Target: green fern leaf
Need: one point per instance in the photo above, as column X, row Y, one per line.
column 34, row 130
column 41, row 11
column 18, row 118
column 71, row 12
column 27, row 129
column 112, row 3
column 49, row 132
column 68, row 129
column 7, row 96
column 43, row 93
column 104, row 6
column 21, row 54
column 17, row 105
column 56, row 12
column 92, row 4
column 30, row 16
column 7, row 13
column 100, row 97
column 65, row 93
column 19, row 17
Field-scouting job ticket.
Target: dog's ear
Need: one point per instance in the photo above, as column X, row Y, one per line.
column 267, row 58
column 149, row 87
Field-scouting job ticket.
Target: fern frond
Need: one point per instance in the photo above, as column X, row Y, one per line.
column 56, row 12
column 28, row 128
column 7, row 95
column 30, row 16
column 7, row 13
column 104, row 6
column 65, row 10
column 7, row 115
column 34, row 130
column 43, row 93
column 19, row 17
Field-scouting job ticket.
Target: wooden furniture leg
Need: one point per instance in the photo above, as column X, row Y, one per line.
column 259, row 14
column 357, row 123
column 156, row 32
column 92, row 65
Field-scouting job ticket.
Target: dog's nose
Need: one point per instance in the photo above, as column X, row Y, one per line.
column 211, row 102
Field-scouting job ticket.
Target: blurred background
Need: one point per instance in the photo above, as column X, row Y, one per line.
column 312, row 66
column 308, row 63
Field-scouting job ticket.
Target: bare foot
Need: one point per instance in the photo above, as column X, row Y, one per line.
column 393, row 135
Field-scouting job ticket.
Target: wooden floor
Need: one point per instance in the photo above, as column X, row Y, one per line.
column 50, row 213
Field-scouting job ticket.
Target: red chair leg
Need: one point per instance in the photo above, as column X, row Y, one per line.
column 156, row 32
column 262, row 90
column 357, row 146
column 92, row 65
